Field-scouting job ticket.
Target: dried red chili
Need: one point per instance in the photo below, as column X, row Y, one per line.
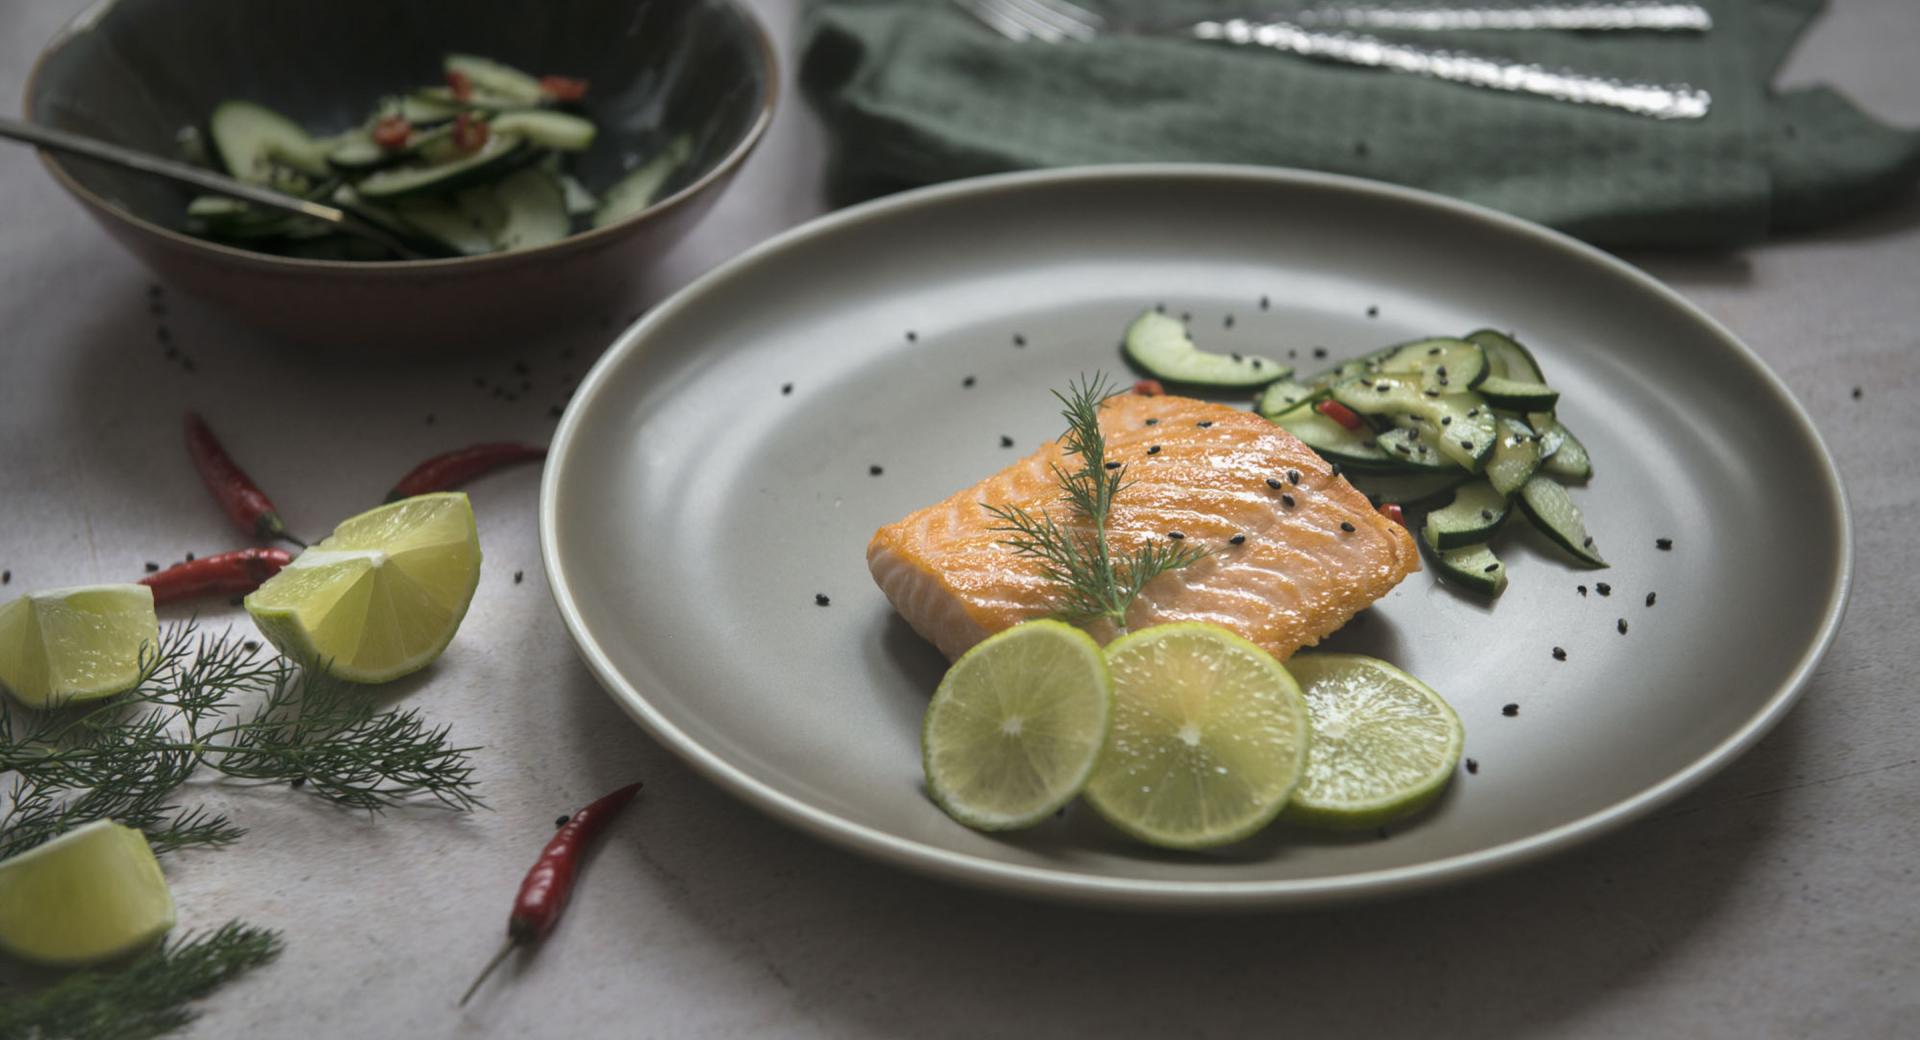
column 1393, row 512
column 1339, row 413
column 222, row 574
column 392, row 133
column 563, row 88
column 452, row 469
column 461, row 84
column 469, row 133
column 246, row 505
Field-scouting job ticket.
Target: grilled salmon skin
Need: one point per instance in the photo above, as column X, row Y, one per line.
column 1313, row 551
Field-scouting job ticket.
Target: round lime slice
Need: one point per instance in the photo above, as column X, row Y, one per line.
column 1209, row 737
column 93, row 894
column 1384, row 744
column 75, row 644
column 382, row 596
column 1017, row 725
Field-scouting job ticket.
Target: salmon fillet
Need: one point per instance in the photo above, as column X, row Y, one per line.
column 1218, row 473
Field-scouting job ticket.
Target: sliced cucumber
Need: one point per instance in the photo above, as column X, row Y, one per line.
column 580, row 201
column 1412, row 448
column 1547, row 504
column 1280, row 396
column 500, row 153
column 638, row 190
column 492, row 77
column 1160, row 345
column 535, row 210
column 556, row 130
column 356, row 152
column 1567, row 458
column 1465, row 425
column 1477, row 510
column 484, row 100
column 1332, row 441
column 454, row 226
column 1517, row 396
column 1506, row 357
column 253, row 140
column 1516, row 456
column 1443, row 364
column 420, row 110
column 1327, row 378
column 1406, row 488
column 1474, row 566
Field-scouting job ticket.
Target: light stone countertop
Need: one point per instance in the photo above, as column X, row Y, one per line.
column 1779, row 899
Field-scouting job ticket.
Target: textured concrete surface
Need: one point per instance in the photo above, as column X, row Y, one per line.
column 1776, row 900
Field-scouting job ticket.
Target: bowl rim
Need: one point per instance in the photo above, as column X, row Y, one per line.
column 87, row 19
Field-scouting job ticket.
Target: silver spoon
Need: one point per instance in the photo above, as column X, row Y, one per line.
column 205, row 180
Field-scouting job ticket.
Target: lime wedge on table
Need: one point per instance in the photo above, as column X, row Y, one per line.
column 1384, row 744
column 382, row 596
column 1209, row 737
column 92, row 894
column 1017, row 725
column 75, row 644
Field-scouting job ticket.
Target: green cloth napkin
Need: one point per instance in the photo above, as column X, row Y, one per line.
column 915, row 91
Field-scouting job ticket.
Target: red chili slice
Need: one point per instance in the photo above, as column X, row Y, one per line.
column 392, row 133
column 469, row 134
column 1339, row 413
column 563, row 88
column 1149, row 388
column 461, row 84
column 1392, row 512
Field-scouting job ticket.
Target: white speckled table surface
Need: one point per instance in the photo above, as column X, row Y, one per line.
column 1776, row 900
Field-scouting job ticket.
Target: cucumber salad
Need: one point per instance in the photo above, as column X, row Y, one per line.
column 481, row 164
column 1407, row 424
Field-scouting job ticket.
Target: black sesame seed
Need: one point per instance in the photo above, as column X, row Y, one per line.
column 912, row 336
column 1272, row 483
column 1335, row 468
column 1227, row 321
column 1186, row 316
column 1446, row 420
column 1153, row 422
column 1603, row 588
column 1588, row 543
column 1292, row 352
column 1161, row 307
column 874, row 471
column 1175, row 535
column 1286, row 500
column 1293, row 477
column 1347, row 527
column 1403, row 449
column 1582, row 588
column 1019, row 340
column 1360, row 149
column 1238, row 539
column 519, row 576
column 1490, row 568
column 1319, row 352
column 1559, row 653
column 561, row 821
column 250, row 646
column 1236, row 357
column 1153, row 449
column 1663, row 544
column 786, row 388
column 967, row 381
column 1006, row 441
column 1473, row 766
column 297, row 782
column 1467, row 444
column 1486, row 514
column 1204, row 423
column 1265, row 303
column 1373, row 312
column 1381, row 388
column 189, row 557
column 6, row 577
column 1113, row 465
column 820, row 599
column 1471, row 412
column 1856, row 393
column 1258, row 364
column 1510, row 710
column 1431, row 393
column 152, row 566
column 1621, row 625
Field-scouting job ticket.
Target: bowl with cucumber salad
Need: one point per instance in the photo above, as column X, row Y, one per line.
column 530, row 159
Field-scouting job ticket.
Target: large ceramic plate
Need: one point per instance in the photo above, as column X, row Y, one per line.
column 715, row 474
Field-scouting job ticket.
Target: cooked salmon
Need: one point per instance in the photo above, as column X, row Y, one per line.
column 1313, row 552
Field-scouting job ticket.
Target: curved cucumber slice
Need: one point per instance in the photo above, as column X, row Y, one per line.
column 252, row 140
column 1406, row 488
column 638, row 190
column 1474, row 566
column 1515, row 395
column 1506, row 357
column 1412, row 447
column 1332, row 441
column 1477, row 510
column 1516, row 456
column 1465, row 424
column 1281, row 396
column 556, row 130
column 1563, row 454
column 534, row 210
column 491, row 77
column 451, row 225
column 1160, row 345
column 484, row 100
column 1442, row 363
column 500, row 153
column 1553, row 512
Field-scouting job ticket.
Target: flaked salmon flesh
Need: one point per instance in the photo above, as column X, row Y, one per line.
column 1204, row 471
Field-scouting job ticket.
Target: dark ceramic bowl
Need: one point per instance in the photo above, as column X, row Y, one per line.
column 136, row 71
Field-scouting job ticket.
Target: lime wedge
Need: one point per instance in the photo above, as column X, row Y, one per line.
column 1384, row 744
column 75, row 644
column 1209, row 737
column 382, row 596
column 1017, row 725
column 93, row 894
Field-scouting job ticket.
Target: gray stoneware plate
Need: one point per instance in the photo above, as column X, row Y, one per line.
column 713, row 476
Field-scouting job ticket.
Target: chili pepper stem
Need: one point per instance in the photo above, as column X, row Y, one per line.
column 287, row 536
column 508, row 947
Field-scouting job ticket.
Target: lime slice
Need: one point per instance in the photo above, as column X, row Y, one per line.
column 382, row 596
column 92, row 894
column 1016, row 726
column 1209, row 737
column 1384, row 744
column 75, row 644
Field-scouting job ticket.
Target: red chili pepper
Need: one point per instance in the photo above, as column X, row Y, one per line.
column 461, row 84
column 544, row 891
column 449, row 471
column 223, row 574
column 392, row 133
column 469, row 134
column 1392, row 512
column 1149, row 388
column 563, row 88
column 247, row 506
column 1339, row 413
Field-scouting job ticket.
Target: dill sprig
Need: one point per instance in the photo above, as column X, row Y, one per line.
column 1076, row 556
column 125, row 759
column 147, row 998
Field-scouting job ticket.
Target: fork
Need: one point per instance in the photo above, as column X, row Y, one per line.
column 1062, row 21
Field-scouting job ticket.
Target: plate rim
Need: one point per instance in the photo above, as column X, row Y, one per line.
column 1070, row 885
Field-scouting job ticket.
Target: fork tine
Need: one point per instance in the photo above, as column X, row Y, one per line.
column 989, row 14
column 1009, row 18
column 1091, row 19
column 1063, row 17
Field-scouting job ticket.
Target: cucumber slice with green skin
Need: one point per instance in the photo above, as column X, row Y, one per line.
column 1443, row 363
column 252, row 140
column 484, row 100
column 1465, row 424
column 1477, row 510
column 1333, row 442
column 492, row 77
column 1327, row 378
column 1281, row 396
column 556, row 130
column 1516, row 395
column 1406, row 488
column 1159, row 345
column 1547, row 504
column 1506, row 357
column 535, row 210
column 355, row 152
column 1474, row 566
column 452, row 225
column 1568, row 459
column 500, row 153
column 638, row 190
column 580, row 201
column 1414, row 449
column 419, row 110
column 1516, row 456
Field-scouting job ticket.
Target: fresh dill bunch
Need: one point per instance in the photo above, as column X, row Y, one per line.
column 1076, row 556
column 125, row 758
column 147, row 998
